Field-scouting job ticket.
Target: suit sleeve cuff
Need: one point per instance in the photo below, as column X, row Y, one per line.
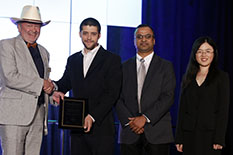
column 147, row 119
column 92, row 118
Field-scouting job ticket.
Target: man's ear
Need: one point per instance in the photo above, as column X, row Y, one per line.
column 80, row 34
column 19, row 27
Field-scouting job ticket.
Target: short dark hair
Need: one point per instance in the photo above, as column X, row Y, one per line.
column 144, row 25
column 91, row 22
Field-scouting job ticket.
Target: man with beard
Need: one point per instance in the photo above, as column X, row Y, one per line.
column 24, row 86
column 94, row 74
column 146, row 97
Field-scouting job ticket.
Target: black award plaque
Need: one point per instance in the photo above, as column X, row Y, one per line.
column 72, row 113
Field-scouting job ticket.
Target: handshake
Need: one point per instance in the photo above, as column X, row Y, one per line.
column 49, row 89
column 48, row 86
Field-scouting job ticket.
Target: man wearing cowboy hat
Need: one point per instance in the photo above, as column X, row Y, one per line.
column 24, row 86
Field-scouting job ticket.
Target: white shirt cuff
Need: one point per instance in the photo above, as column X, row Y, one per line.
column 92, row 118
column 147, row 119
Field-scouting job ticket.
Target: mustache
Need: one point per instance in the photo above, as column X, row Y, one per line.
column 88, row 40
column 144, row 43
column 33, row 33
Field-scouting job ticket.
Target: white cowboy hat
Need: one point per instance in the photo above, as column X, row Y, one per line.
column 30, row 14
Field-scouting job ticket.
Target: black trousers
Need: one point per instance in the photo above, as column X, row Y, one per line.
column 143, row 147
column 88, row 144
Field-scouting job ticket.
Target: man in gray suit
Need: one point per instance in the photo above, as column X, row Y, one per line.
column 24, row 86
column 146, row 97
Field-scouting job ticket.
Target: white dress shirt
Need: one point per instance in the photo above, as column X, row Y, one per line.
column 88, row 58
column 147, row 59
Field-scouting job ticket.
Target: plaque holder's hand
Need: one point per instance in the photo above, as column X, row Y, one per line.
column 57, row 96
column 88, row 123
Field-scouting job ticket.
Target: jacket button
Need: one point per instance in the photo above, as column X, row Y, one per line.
column 35, row 97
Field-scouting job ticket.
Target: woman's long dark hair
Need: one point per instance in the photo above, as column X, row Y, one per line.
column 193, row 66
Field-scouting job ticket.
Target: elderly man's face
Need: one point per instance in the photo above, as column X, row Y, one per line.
column 29, row 31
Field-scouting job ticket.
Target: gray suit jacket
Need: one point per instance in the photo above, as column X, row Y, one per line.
column 20, row 83
column 156, row 100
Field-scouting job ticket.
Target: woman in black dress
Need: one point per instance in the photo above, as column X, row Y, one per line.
column 204, row 100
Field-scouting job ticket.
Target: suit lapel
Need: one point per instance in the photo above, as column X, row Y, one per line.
column 77, row 65
column 45, row 62
column 133, row 73
column 22, row 47
column 151, row 72
column 97, row 59
column 80, row 65
column 131, row 82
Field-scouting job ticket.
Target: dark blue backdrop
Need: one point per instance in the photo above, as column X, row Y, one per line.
column 177, row 23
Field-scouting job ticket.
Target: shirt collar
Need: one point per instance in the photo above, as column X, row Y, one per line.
column 147, row 58
column 92, row 52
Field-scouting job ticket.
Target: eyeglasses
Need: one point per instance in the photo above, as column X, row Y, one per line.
column 147, row 36
column 207, row 52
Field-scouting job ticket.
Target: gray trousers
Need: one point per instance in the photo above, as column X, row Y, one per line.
column 23, row 140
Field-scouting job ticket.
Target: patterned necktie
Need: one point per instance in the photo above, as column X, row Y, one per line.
column 141, row 77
